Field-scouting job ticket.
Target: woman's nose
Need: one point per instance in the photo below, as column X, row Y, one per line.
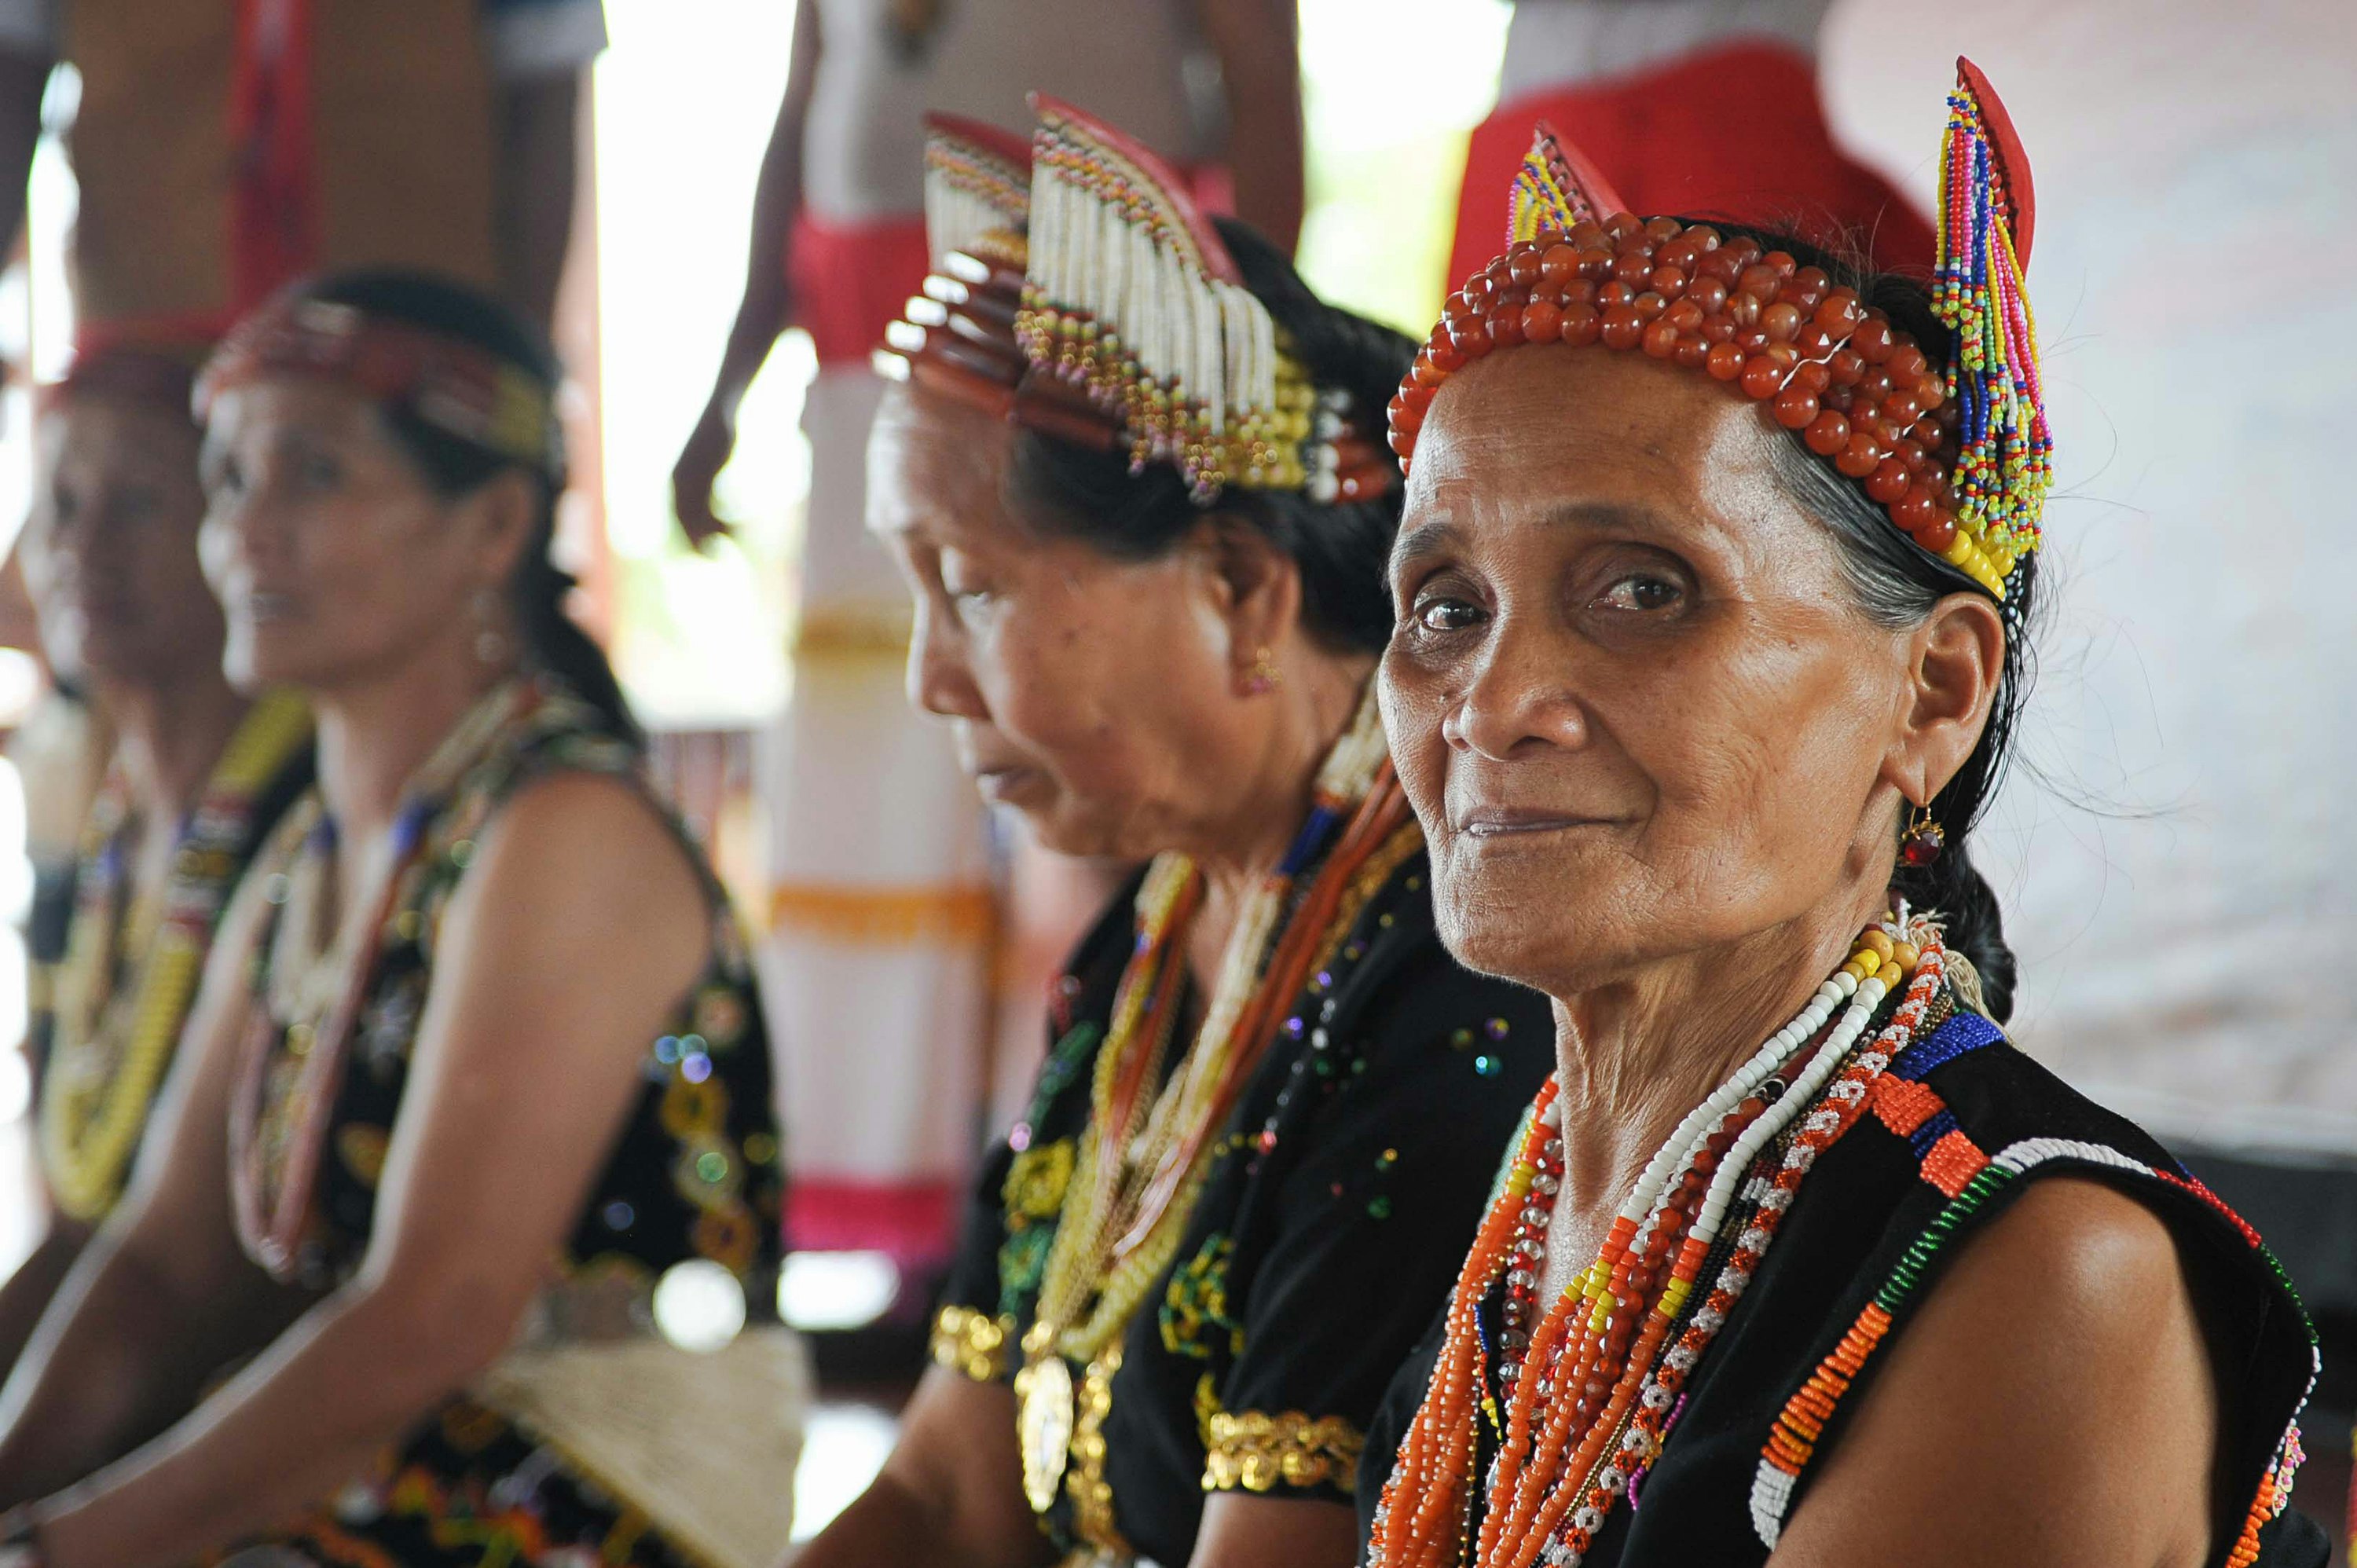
column 938, row 681
column 1521, row 696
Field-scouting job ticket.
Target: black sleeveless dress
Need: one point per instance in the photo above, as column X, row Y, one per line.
column 1958, row 1128
column 1329, row 1227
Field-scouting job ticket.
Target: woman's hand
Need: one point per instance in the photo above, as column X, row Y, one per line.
column 2053, row 1402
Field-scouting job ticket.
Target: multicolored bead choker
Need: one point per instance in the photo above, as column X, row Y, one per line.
column 450, row 383
column 1959, row 457
column 1080, row 292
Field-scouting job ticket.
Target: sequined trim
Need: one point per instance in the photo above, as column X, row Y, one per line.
column 973, row 1343
column 1256, row 1452
column 1091, row 1493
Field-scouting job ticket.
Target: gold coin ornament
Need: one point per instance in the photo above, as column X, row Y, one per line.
column 1044, row 1387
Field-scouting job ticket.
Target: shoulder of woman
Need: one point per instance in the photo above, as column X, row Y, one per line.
column 593, row 836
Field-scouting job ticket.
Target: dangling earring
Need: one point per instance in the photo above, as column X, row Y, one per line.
column 1922, row 841
column 491, row 643
column 1265, row 676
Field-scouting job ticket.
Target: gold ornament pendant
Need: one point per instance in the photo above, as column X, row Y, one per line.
column 1044, row 1425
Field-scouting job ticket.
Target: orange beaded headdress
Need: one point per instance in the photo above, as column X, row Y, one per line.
column 1959, row 457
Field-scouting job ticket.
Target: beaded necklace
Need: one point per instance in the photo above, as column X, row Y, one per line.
column 1141, row 1163
column 1594, row 1383
column 114, row 1041
column 315, row 984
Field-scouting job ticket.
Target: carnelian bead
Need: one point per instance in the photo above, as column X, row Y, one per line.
column 1685, row 315
column 1614, row 293
column 1861, row 456
column 1524, row 265
column 1916, row 509
column 1588, row 235
column 1582, row 324
column 1813, row 340
column 1840, row 312
column 1661, row 339
column 1550, row 292
column 1759, row 278
column 1906, row 362
column 1781, row 323
column 1746, row 249
column 1706, row 291
column 1827, row 433
column 1718, row 329
column 1937, row 534
column 1505, row 324
column 1762, row 377
column 1596, row 262
column 1447, row 356
column 1403, row 445
column 1839, row 396
column 1927, row 431
column 1785, row 356
column 1704, row 236
column 1542, row 322
column 1666, row 228
column 1724, row 265
column 1752, row 340
column 1806, row 289
column 1633, row 267
column 1888, row 481
column 1670, row 283
column 1725, row 362
column 1415, row 395
column 1426, row 374
column 1782, row 260
column 1846, row 367
column 1888, row 430
column 1406, row 418
column 1693, row 351
column 1478, row 290
column 1930, row 392
column 1873, row 340
column 1875, row 384
column 1650, row 305
column 1795, row 408
column 1623, row 227
column 1622, row 327
column 1559, row 264
column 1579, row 291
column 1744, row 308
column 1901, row 406
column 1813, row 374
column 1471, row 340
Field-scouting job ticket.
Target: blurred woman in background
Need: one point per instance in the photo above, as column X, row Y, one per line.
column 198, row 778
column 1272, row 1104
column 475, row 1065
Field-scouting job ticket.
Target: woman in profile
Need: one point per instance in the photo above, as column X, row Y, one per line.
column 198, row 778
column 1272, row 1104
column 1714, row 591
column 475, row 1067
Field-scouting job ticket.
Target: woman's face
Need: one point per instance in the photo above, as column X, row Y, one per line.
column 334, row 558
column 109, row 548
column 1630, row 693
column 1099, row 697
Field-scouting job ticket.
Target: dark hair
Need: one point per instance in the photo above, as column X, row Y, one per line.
column 455, row 466
column 1340, row 548
column 1896, row 582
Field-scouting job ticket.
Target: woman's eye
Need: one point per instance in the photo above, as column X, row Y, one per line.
column 1641, row 591
column 1437, row 613
column 321, row 473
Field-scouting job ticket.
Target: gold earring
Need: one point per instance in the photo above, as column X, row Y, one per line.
column 1264, row 675
column 1922, row 841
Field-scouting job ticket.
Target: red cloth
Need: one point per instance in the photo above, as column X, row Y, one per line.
column 1737, row 133
column 915, row 1221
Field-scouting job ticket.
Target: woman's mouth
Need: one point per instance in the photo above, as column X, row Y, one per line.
column 1513, row 821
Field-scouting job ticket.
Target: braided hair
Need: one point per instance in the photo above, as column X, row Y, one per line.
column 454, row 465
column 1340, row 548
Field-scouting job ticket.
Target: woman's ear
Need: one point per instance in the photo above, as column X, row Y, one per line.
column 501, row 516
column 1954, row 662
column 1256, row 586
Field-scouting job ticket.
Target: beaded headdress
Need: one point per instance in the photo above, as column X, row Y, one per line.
column 1960, row 457
column 456, row 386
column 1079, row 290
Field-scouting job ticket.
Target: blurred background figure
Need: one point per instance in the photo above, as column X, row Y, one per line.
column 1703, row 107
column 225, row 148
column 471, row 1197
column 198, row 778
column 879, row 963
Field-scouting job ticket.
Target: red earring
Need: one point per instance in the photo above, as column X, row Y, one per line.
column 1921, row 844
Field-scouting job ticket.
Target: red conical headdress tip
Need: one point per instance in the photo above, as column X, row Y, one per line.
column 1557, row 189
column 2012, row 162
column 1167, row 188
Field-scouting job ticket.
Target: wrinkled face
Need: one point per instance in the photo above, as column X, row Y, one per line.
column 1629, row 695
column 1096, row 695
column 109, row 548
column 333, row 557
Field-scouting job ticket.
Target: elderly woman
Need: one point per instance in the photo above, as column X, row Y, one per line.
column 475, row 1066
column 1709, row 657
column 198, row 778
column 1274, row 1103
